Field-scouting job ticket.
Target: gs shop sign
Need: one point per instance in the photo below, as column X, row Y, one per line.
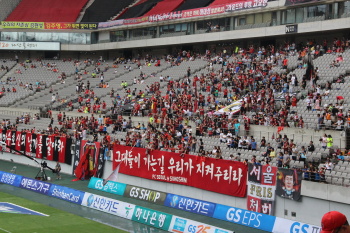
column 145, row 194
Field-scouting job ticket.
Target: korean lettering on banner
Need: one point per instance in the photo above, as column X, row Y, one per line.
column 205, row 11
column 165, row 16
column 183, row 225
column 152, row 218
column 35, row 185
column 219, row 176
column 261, row 188
column 242, row 5
column 138, row 20
column 108, row 205
column 28, row 25
column 66, row 194
column 284, row 225
column 145, row 194
column 111, row 23
column 244, row 217
column 289, row 184
column 9, row 178
column 190, row 204
column 110, row 187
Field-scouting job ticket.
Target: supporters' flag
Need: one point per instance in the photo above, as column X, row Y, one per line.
column 39, row 146
column 78, row 143
column 28, row 145
column 33, row 145
column 101, row 162
column 50, row 140
column 68, row 153
column 113, row 176
column 8, row 140
column 82, row 169
column 44, row 147
column 23, row 141
column 18, row 140
column 289, row 184
column 13, row 140
column 59, row 149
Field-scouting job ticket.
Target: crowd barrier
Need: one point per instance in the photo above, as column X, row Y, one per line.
column 153, row 218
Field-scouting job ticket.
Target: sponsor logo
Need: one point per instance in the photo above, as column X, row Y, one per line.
column 66, row 194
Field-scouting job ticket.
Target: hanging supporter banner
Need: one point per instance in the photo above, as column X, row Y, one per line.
column 233, row 108
column 57, row 26
column 39, row 146
column 28, row 150
column 101, row 162
column 13, row 139
column 8, row 140
column 88, row 162
column 18, row 141
column 144, row 194
column 33, row 145
column 22, row 25
column 76, row 154
column 243, row 5
column 261, row 188
column 205, row 11
column 284, row 225
column 298, row 2
column 190, row 204
column 111, row 24
column 220, row 176
column 50, row 140
column 184, row 225
column 289, row 184
column 165, row 16
column 23, row 141
column 138, row 20
column 61, row 150
column 9, row 45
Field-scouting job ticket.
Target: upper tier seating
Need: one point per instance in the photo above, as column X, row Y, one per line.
column 192, row 4
column 139, row 9
column 7, row 7
column 165, row 6
column 103, row 10
column 47, row 11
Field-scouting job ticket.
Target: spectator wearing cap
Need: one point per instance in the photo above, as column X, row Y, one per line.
column 335, row 222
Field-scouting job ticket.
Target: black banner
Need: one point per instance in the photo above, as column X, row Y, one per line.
column 289, row 183
column 76, row 154
column 145, row 194
column 101, row 162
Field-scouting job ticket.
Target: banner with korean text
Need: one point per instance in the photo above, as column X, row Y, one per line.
column 22, row 25
column 261, row 188
column 289, row 184
column 221, row 176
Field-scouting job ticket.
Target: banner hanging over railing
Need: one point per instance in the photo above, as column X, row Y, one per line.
column 220, row 176
column 261, row 188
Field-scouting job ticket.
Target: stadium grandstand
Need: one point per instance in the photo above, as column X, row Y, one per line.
column 255, row 85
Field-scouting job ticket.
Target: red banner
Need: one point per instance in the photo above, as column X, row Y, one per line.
column 50, row 140
column 220, row 176
column 28, row 151
column 39, row 146
column 18, row 140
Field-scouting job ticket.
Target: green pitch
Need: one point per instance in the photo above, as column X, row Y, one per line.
column 57, row 222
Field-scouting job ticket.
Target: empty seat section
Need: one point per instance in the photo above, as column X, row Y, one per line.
column 139, row 9
column 7, row 7
column 192, row 4
column 103, row 10
column 165, row 6
column 47, row 11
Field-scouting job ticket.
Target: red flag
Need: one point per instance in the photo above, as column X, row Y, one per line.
column 50, row 140
column 61, row 147
column 28, row 151
column 18, row 140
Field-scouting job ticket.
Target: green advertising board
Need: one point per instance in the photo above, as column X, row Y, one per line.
column 152, row 218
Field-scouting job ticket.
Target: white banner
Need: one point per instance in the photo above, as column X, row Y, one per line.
column 284, row 225
column 49, row 46
column 232, row 108
column 184, row 225
column 108, row 205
